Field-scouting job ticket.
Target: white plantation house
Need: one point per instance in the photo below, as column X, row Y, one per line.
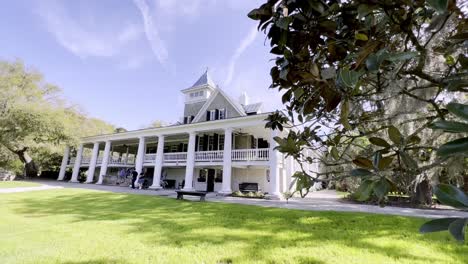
column 221, row 145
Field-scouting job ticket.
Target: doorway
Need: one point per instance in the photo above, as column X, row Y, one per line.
column 210, row 180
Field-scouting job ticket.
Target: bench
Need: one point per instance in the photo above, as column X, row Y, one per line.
column 248, row 187
column 180, row 194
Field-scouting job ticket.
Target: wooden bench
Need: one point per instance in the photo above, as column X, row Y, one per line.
column 180, row 194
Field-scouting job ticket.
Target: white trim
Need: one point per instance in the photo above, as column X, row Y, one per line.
column 204, row 108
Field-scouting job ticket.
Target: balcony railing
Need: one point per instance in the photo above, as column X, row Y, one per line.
column 150, row 158
column 250, row 154
column 214, row 155
column 175, row 157
column 200, row 156
column 121, row 161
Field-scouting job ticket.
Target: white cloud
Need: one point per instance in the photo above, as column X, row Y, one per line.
column 151, row 30
column 85, row 39
column 244, row 44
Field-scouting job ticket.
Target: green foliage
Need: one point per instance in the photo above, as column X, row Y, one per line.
column 355, row 72
column 35, row 122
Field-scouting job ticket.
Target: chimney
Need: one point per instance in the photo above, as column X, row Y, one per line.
column 244, row 99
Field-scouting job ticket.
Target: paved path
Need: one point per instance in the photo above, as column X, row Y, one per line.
column 28, row 189
column 318, row 201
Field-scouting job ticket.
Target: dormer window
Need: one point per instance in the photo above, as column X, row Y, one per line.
column 222, row 113
column 212, row 115
column 188, row 119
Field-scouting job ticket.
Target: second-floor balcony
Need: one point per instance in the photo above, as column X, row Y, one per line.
column 237, row 155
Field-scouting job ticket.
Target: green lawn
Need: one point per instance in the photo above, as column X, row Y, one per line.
column 84, row 226
column 16, row 184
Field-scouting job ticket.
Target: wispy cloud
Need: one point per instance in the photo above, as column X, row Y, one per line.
column 151, row 30
column 244, row 44
column 85, row 39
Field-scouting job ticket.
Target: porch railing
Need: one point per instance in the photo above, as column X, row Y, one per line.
column 250, row 154
column 150, row 158
column 213, row 155
column 121, row 161
column 175, row 157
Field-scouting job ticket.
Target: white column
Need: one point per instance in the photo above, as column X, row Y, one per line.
column 227, row 168
column 158, row 164
column 92, row 163
column 76, row 167
column 190, row 163
column 63, row 167
column 140, row 156
column 105, row 162
column 274, row 166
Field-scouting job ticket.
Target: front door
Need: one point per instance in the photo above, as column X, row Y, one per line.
column 210, row 180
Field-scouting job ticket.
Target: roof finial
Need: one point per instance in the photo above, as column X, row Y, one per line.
column 207, row 68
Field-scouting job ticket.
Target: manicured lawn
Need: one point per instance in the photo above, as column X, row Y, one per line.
column 16, row 184
column 84, row 226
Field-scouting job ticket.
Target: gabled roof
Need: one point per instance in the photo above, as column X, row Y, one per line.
column 239, row 109
column 252, row 108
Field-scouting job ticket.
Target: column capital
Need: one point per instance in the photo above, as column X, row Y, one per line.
column 192, row 133
column 230, row 129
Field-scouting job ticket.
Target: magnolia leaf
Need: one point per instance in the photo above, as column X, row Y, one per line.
column 454, row 147
column 376, row 161
column 439, row 5
column 379, row 142
column 394, row 135
column 381, row 188
column 344, row 114
column 334, row 153
column 437, row 225
column 451, row 195
column 363, row 162
column 414, row 139
column 457, row 229
column 360, row 172
column 365, row 190
column 361, row 36
column 399, row 56
column 450, row 126
column 384, row 162
column 460, row 110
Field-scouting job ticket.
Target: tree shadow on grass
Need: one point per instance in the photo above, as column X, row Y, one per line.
column 260, row 230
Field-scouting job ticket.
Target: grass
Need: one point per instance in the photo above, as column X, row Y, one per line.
column 85, row 226
column 17, row 184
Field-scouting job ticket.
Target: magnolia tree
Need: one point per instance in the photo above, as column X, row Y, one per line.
column 367, row 83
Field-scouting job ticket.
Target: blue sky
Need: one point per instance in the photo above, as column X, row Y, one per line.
column 126, row 61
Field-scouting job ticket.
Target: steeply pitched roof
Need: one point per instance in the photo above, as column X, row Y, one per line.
column 252, row 108
column 234, row 104
column 205, row 79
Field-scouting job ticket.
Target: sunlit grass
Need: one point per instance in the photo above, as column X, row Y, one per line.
column 84, row 226
column 17, row 184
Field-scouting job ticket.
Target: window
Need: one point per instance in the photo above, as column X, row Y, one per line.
column 202, row 175
column 219, row 176
column 221, row 142
column 210, row 142
column 222, row 113
column 212, row 115
column 174, row 148
column 200, row 143
column 188, row 119
column 200, row 93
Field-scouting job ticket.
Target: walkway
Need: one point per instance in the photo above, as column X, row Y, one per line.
column 318, row 201
column 44, row 186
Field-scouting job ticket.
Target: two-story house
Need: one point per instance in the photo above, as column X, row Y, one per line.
column 219, row 144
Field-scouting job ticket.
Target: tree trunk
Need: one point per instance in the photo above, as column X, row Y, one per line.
column 423, row 193
column 30, row 168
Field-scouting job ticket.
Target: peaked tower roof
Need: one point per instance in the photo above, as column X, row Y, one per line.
column 205, row 79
